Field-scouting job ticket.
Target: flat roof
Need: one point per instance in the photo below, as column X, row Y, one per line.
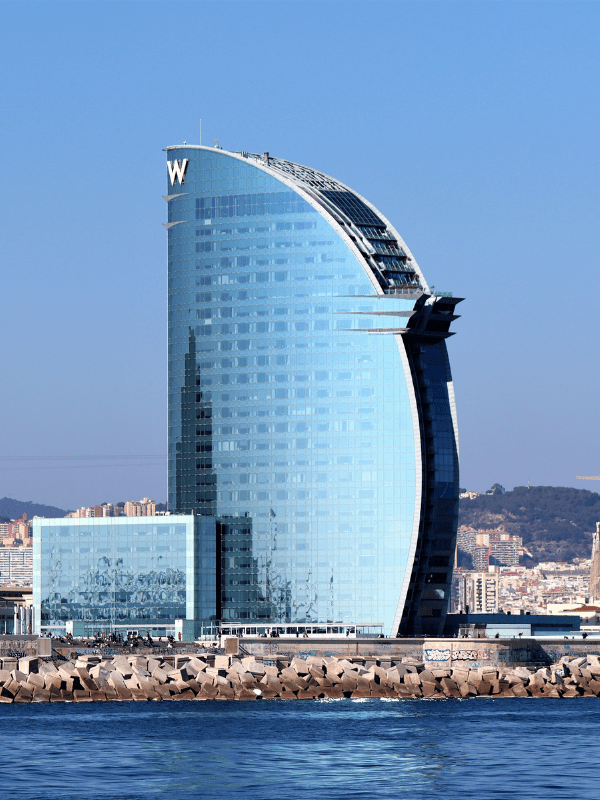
column 502, row 619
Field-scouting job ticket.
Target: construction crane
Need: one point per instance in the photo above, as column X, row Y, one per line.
column 588, row 477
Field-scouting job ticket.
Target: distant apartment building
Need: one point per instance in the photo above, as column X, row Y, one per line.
column 143, row 508
column 476, row 592
column 486, row 548
column 108, row 510
column 16, row 566
column 481, row 557
column 507, row 550
column 91, row 512
column 16, row 533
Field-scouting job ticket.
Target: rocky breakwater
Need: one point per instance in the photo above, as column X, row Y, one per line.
column 91, row 678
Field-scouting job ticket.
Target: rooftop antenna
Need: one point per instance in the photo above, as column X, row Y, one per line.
column 200, row 131
column 217, row 144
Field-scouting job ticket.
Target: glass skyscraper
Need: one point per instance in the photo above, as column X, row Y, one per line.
column 311, row 406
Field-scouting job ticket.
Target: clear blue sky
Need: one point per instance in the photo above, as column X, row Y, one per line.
column 473, row 126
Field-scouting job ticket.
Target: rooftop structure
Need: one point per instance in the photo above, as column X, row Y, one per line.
column 514, row 625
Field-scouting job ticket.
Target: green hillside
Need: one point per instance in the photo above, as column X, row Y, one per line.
column 555, row 522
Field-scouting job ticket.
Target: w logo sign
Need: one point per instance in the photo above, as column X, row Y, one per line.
column 177, row 170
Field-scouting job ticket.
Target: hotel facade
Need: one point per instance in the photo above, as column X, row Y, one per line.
column 313, row 447
column 312, row 420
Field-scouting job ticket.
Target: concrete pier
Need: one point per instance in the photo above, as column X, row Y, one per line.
column 505, row 653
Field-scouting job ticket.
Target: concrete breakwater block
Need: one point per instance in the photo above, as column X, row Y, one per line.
column 140, row 678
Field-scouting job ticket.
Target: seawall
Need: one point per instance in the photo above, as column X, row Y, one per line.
column 205, row 676
column 475, row 653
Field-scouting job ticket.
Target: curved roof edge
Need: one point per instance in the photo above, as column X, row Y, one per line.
column 373, row 240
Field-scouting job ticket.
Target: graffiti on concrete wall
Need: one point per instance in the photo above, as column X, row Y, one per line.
column 17, row 648
column 460, row 654
column 437, row 655
column 465, row 655
column 470, row 655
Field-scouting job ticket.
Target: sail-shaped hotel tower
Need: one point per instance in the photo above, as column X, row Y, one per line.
column 311, row 405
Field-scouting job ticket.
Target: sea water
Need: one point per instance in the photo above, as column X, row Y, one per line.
column 275, row 750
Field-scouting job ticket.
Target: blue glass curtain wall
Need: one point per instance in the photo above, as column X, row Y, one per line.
column 290, row 419
column 116, row 572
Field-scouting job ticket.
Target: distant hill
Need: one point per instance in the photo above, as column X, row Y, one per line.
column 16, row 508
column 555, row 522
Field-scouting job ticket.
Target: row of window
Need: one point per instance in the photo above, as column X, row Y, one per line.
column 342, row 494
column 261, row 227
column 387, row 248
column 297, row 475
column 398, row 457
column 274, row 308
column 258, row 204
column 225, row 263
column 376, row 233
column 210, row 345
column 277, row 443
column 282, row 360
column 251, row 278
column 225, row 378
column 288, row 427
column 302, row 326
column 181, row 293
column 301, row 268
column 245, row 412
column 258, row 244
column 55, row 615
column 278, row 310
column 262, row 395
column 264, row 260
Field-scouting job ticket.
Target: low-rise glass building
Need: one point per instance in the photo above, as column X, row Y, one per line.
column 123, row 573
